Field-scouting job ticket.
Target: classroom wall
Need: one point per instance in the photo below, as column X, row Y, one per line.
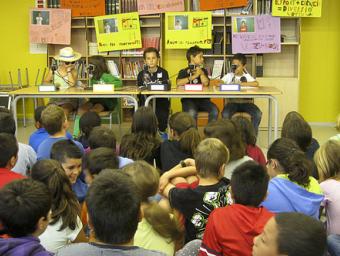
column 319, row 99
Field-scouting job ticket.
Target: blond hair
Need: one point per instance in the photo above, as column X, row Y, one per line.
column 53, row 118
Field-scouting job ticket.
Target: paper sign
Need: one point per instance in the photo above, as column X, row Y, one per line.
column 206, row 5
column 186, row 29
column 84, row 7
column 38, row 48
column 256, row 34
column 50, row 26
column 118, row 32
column 159, row 6
column 297, row 8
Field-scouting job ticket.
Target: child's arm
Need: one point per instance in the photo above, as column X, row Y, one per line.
column 48, row 78
column 167, row 189
column 252, row 84
column 72, row 77
column 203, row 76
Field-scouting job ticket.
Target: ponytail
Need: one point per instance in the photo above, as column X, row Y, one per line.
column 189, row 140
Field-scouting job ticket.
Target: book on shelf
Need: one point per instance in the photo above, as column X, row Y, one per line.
column 264, row 6
column 80, row 66
column 41, row 3
column 111, row 6
column 130, row 69
column 217, row 69
column 246, row 10
column 113, row 68
column 129, row 6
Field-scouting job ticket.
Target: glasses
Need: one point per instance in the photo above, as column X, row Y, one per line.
column 69, row 63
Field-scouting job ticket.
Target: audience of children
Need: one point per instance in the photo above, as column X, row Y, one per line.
column 65, row 225
column 230, row 230
column 87, row 122
column 184, row 138
column 291, row 188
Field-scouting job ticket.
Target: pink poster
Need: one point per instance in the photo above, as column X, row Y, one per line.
column 159, row 6
column 50, row 26
column 256, row 34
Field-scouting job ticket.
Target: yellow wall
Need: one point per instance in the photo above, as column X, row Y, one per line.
column 319, row 99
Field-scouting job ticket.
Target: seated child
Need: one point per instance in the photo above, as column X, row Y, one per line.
column 337, row 137
column 115, row 195
column 26, row 155
column 241, row 76
column 8, row 158
column 292, row 234
column 196, row 74
column 55, row 123
column 87, row 122
column 229, row 133
column 65, row 225
column 184, row 138
column 70, row 157
column 157, row 230
column 230, row 230
column 40, row 134
column 210, row 158
column 143, row 143
column 25, row 214
column 153, row 73
column 291, row 188
column 249, row 138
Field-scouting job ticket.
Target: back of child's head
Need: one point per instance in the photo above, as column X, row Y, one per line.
column 247, row 129
column 300, row 235
column 184, row 125
column 292, row 160
column 144, row 121
column 64, row 202
column 53, row 118
column 327, row 160
column 210, row 155
column 229, row 133
column 22, row 204
column 193, row 51
column 113, row 207
column 240, row 57
column 99, row 159
column 296, row 128
column 102, row 136
column 8, row 148
column 249, row 184
column 88, row 121
column 37, row 114
column 65, row 149
column 100, row 66
column 7, row 123
column 149, row 50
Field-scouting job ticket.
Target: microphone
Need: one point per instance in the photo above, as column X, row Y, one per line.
column 54, row 67
column 243, row 79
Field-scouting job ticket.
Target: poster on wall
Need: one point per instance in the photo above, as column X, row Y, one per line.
column 84, row 7
column 118, row 32
column 297, row 8
column 50, row 26
column 186, row 29
column 207, row 5
column 159, row 6
column 256, row 34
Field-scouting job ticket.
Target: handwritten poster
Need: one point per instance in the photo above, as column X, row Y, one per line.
column 84, row 7
column 186, row 29
column 118, row 32
column 159, row 6
column 206, row 5
column 50, row 26
column 256, row 34
column 297, row 8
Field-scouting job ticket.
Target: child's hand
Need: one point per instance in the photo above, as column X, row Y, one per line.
column 199, row 71
column 163, row 181
column 190, row 162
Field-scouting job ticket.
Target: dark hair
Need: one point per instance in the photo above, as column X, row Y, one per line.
column 101, row 158
column 113, row 207
column 7, row 123
column 53, row 118
column 292, row 160
column 22, row 203
column 300, row 235
column 88, row 121
column 185, row 127
column 193, row 51
column 241, row 57
column 65, row 149
column 151, row 49
column 102, row 136
column 230, row 134
column 8, row 148
column 64, row 202
column 37, row 113
column 100, row 66
column 247, row 130
column 249, row 184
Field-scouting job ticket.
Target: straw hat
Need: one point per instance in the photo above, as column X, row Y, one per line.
column 67, row 54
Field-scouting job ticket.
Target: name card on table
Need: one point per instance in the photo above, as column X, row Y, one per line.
column 103, row 88
column 158, row 87
column 47, row 88
column 193, row 87
column 230, row 87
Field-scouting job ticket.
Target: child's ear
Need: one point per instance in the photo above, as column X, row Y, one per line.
column 13, row 161
column 141, row 214
column 222, row 170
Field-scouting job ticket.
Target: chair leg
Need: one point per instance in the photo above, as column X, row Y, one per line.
column 110, row 118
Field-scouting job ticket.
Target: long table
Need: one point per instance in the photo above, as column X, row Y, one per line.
column 214, row 92
column 72, row 92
